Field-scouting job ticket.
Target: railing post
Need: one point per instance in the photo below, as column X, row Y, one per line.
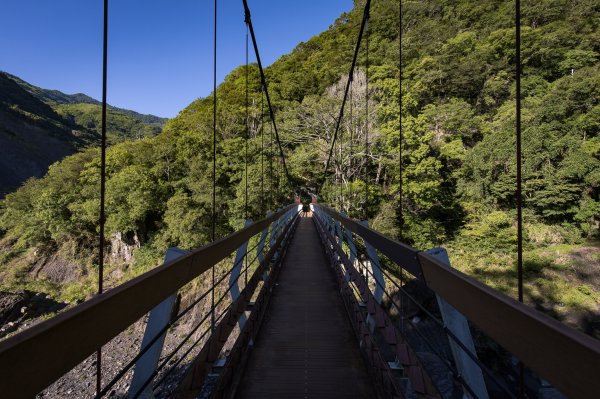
column 350, row 241
column 458, row 325
column 339, row 236
column 338, row 232
column 283, row 220
column 323, row 217
column 158, row 319
column 274, row 230
column 260, row 254
column 375, row 269
column 289, row 216
column 234, row 277
column 330, row 223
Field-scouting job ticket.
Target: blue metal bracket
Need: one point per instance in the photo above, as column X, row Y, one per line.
column 234, row 277
column 375, row 269
column 458, row 325
column 260, row 249
column 158, row 319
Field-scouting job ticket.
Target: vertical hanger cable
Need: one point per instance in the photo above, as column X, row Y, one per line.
column 102, row 220
column 519, row 174
column 214, row 166
column 246, row 152
column 366, row 213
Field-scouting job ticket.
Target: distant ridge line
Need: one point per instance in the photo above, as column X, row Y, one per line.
column 57, row 96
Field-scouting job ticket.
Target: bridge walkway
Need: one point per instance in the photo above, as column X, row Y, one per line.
column 306, row 347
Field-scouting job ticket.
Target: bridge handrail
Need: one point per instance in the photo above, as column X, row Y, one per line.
column 41, row 350
column 398, row 252
column 541, row 342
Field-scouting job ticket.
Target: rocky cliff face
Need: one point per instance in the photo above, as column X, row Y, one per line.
column 123, row 245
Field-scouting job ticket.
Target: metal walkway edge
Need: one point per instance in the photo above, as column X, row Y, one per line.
column 306, row 347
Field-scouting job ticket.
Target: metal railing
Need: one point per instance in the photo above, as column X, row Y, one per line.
column 33, row 359
column 356, row 294
column 566, row 358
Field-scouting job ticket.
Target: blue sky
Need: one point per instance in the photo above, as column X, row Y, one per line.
column 160, row 51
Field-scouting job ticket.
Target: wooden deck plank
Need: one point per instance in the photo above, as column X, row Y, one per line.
column 306, row 347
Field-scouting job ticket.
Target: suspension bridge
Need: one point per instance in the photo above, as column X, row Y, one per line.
column 314, row 305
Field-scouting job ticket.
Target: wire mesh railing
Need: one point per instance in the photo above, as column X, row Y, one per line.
column 56, row 343
column 513, row 329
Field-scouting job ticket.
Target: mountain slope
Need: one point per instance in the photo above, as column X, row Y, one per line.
column 32, row 135
column 39, row 127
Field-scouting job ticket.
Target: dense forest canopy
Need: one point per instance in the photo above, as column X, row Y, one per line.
column 458, row 111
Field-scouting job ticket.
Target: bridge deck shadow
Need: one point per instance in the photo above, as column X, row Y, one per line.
column 306, row 347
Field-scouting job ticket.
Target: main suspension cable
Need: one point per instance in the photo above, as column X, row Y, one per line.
column 350, row 77
column 264, row 82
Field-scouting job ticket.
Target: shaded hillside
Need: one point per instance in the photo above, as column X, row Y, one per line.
column 39, row 127
column 32, row 135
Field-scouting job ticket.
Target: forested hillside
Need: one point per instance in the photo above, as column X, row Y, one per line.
column 39, row 127
column 458, row 154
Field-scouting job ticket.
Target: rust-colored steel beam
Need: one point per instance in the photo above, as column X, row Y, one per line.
column 34, row 358
column 568, row 359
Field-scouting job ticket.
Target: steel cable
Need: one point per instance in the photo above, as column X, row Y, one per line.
column 214, row 159
column 367, row 159
column 262, row 155
column 400, row 132
column 246, row 146
column 519, row 174
column 102, row 220
column 264, row 83
column 350, row 77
